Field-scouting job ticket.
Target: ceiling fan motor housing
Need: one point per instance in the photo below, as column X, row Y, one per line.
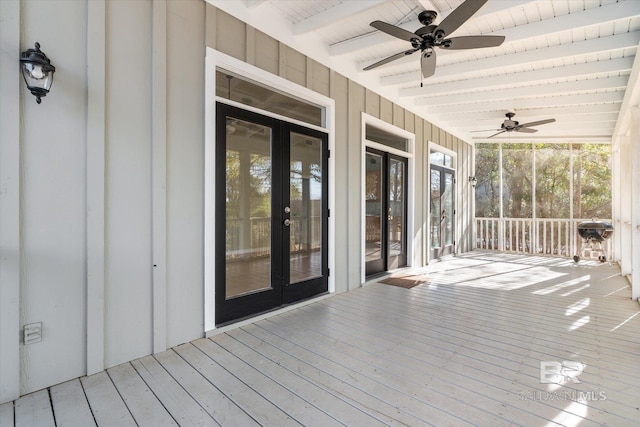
column 427, row 17
column 509, row 123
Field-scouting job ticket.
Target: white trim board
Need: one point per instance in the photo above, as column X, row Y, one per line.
column 367, row 119
column 432, row 146
column 215, row 59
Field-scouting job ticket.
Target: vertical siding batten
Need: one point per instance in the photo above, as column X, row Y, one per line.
column 356, row 104
column 339, row 92
column 159, row 174
column 635, row 203
column 185, row 170
column 10, row 261
column 96, row 158
column 53, row 199
column 372, row 103
column 128, row 329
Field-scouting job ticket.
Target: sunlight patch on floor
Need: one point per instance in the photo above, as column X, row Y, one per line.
column 581, row 288
column 622, row 324
column 579, row 323
column 577, row 306
column 571, row 416
column 563, row 285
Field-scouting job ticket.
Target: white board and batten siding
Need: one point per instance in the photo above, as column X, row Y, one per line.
column 112, row 178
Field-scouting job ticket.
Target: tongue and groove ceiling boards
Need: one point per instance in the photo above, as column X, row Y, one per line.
column 571, row 60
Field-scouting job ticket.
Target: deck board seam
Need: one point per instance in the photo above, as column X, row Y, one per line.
column 351, row 331
column 454, row 333
column 422, row 400
column 346, row 341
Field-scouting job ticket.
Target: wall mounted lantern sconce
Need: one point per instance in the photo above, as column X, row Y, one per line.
column 473, row 180
column 37, row 72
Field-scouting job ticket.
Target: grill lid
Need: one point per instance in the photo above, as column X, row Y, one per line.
column 595, row 225
column 595, row 231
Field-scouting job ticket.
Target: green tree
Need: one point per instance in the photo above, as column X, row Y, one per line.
column 488, row 180
column 517, row 178
column 552, row 180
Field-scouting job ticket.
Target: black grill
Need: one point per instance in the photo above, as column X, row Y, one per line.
column 594, row 232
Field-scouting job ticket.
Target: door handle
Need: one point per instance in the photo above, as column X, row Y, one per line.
column 287, row 222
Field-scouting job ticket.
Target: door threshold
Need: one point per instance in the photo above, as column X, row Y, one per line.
column 234, row 324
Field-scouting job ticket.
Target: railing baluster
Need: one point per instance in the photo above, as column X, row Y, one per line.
column 550, row 236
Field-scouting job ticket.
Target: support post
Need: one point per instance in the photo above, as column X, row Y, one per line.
column 634, row 192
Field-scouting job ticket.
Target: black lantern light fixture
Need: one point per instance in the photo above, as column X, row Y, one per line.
column 473, row 180
column 37, row 72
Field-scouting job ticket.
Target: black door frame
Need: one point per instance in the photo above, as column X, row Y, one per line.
column 281, row 291
column 443, row 249
column 382, row 265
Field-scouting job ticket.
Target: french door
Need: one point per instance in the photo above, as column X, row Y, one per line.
column 385, row 211
column 271, row 213
column 442, row 186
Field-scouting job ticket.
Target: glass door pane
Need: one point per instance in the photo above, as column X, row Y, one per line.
column 447, row 208
column 435, row 209
column 305, row 188
column 374, row 205
column 271, row 213
column 443, row 210
column 248, row 208
column 396, row 213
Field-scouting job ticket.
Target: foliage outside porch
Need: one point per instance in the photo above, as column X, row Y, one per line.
column 530, row 198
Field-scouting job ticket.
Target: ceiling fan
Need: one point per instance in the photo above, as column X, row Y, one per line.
column 512, row 125
column 425, row 38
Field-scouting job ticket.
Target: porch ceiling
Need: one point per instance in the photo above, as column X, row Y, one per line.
column 572, row 60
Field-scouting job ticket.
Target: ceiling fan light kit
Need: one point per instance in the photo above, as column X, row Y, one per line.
column 429, row 36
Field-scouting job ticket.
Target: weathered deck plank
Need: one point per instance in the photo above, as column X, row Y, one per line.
column 6, row 414
column 252, row 402
column 390, row 402
column 303, row 411
column 182, row 407
column 71, row 406
column 326, row 374
column 301, row 385
column 464, row 348
column 34, row 410
column 434, row 394
column 146, row 409
column 420, row 368
column 106, row 404
column 205, row 393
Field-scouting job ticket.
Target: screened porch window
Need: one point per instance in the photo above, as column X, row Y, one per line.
column 560, row 180
column 531, row 197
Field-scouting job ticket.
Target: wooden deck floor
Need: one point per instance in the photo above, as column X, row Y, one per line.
column 464, row 348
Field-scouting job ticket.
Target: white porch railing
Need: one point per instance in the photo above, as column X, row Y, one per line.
column 535, row 236
column 252, row 238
